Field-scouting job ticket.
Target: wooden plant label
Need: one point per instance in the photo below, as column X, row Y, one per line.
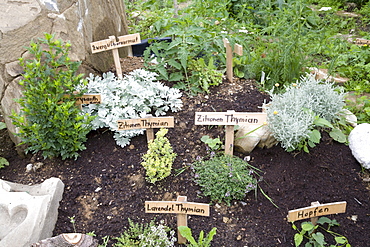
column 230, row 118
column 317, row 210
column 110, row 44
column 88, row 99
column 148, row 123
column 113, row 44
column 181, row 207
column 238, row 49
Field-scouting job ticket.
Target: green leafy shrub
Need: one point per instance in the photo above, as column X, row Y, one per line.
column 134, row 96
column 202, row 241
column 146, row 235
column 49, row 121
column 159, row 158
column 315, row 237
column 225, row 177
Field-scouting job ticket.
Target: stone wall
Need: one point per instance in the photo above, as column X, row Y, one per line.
column 77, row 21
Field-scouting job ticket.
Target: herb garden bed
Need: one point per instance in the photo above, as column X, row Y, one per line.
column 106, row 185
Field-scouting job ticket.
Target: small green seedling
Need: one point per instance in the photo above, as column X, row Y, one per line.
column 213, row 144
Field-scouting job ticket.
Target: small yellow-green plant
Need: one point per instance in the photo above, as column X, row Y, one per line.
column 159, row 158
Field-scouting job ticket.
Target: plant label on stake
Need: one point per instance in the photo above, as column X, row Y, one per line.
column 238, row 49
column 148, row 123
column 112, row 44
column 316, row 210
column 181, row 207
column 86, row 99
column 230, row 119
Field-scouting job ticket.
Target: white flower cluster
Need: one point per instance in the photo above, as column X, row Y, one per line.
column 134, row 96
column 291, row 115
column 157, row 237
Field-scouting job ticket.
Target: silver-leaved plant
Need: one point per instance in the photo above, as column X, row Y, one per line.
column 134, row 96
column 291, row 116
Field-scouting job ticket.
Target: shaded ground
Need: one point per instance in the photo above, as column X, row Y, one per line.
column 327, row 174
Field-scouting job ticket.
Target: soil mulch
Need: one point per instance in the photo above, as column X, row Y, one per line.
column 106, row 185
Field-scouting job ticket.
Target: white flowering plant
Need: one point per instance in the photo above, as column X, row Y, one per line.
column 146, row 235
column 296, row 117
column 159, row 158
column 134, row 96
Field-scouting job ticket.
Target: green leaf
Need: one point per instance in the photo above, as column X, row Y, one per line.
column 323, row 220
column 340, row 240
column 315, row 136
column 319, row 238
column 321, row 122
column 298, row 238
column 2, row 125
column 177, row 76
column 307, row 226
column 3, row 162
column 338, row 135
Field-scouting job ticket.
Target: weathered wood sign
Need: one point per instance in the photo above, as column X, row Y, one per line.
column 360, row 41
column 181, row 207
column 112, row 44
column 88, row 99
column 238, row 49
column 230, row 118
column 149, row 123
column 317, row 210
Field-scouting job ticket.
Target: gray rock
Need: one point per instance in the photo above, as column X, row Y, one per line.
column 78, row 21
column 360, row 145
column 28, row 211
column 261, row 137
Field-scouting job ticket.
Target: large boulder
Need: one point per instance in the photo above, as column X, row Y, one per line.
column 360, row 145
column 78, row 21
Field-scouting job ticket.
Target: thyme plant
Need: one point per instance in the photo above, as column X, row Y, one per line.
column 146, row 235
column 49, row 121
column 159, row 158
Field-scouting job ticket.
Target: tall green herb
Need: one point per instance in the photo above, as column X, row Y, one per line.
column 49, row 121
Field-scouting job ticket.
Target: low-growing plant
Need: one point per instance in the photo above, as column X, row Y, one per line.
column 134, row 96
column 202, row 241
column 49, row 121
column 3, row 162
column 213, row 143
column 146, row 235
column 296, row 116
column 159, row 158
column 225, row 177
column 361, row 108
column 312, row 235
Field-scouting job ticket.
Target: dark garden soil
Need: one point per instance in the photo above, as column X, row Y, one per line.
column 329, row 173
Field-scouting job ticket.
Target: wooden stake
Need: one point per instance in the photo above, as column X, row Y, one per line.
column 117, row 62
column 229, row 138
column 150, row 131
column 182, row 220
column 229, row 60
column 314, row 219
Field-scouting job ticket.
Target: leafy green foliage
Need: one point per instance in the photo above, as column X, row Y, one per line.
column 159, row 158
column 214, row 144
column 361, row 108
column 225, row 177
column 202, row 241
column 146, row 235
column 296, row 116
column 134, row 96
column 49, row 121
column 314, row 237
column 3, row 162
